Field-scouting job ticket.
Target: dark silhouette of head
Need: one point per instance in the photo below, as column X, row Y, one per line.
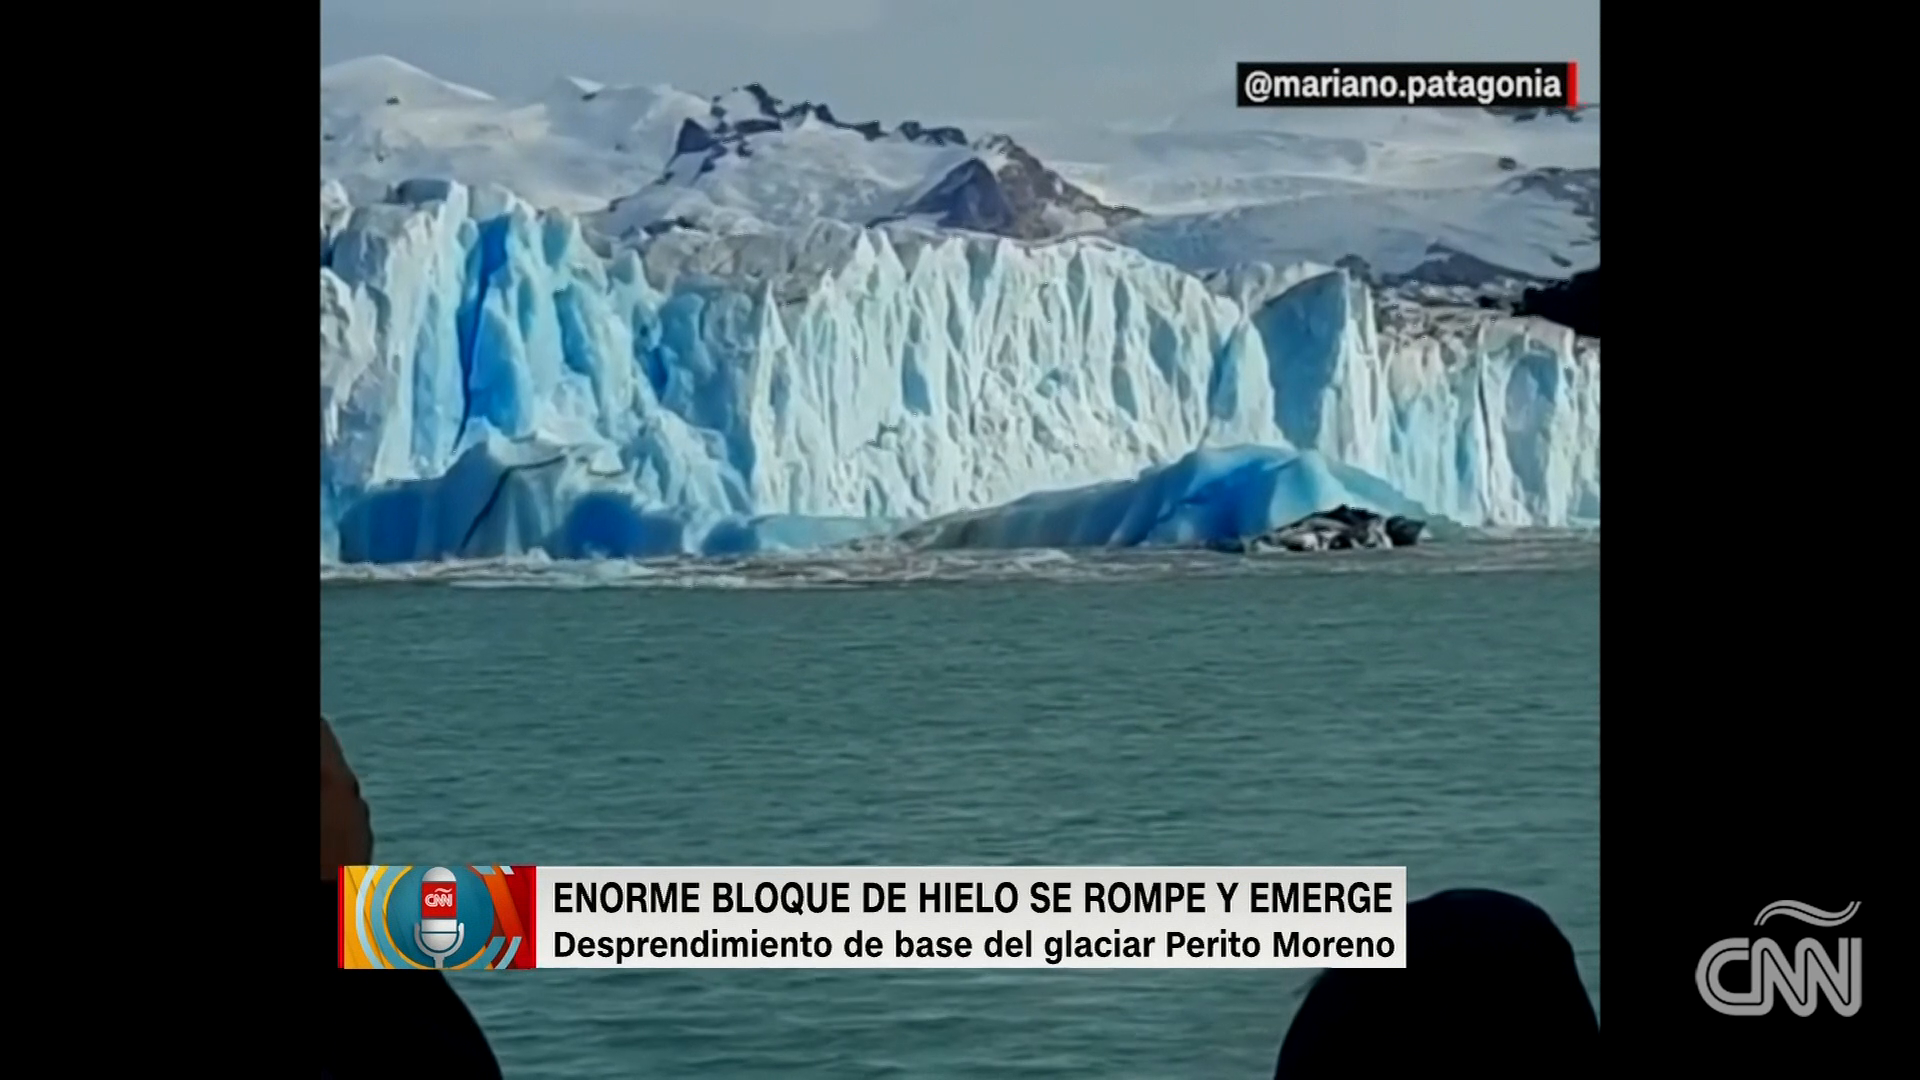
column 1490, row 990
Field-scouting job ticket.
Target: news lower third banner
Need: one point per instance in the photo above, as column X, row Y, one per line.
column 639, row 917
column 1553, row 84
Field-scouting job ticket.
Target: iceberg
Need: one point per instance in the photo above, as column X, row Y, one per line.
column 492, row 383
column 1206, row 496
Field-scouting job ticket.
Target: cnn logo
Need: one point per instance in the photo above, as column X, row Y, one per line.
column 437, row 897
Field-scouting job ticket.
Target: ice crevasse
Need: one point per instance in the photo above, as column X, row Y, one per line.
column 492, row 385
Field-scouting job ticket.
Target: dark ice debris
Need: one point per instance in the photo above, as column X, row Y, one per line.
column 1342, row 528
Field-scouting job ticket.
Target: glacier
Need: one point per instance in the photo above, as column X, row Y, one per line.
column 495, row 381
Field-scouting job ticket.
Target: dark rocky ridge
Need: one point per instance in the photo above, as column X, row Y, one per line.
column 1574, row 304
column 1020, row 198
column 1525, row 113
column 1007, row 191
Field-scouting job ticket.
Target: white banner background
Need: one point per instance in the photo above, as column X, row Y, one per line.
column 1206, row 917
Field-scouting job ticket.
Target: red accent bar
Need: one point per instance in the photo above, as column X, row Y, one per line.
column 531, row 917
column 1573, row 84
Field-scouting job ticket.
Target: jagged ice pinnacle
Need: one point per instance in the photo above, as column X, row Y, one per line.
column 490, row 385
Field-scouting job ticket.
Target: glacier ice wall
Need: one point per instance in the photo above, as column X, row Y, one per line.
column 491, row 385
column 1487, row 420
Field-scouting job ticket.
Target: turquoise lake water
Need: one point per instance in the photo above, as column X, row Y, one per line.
column 1437, row 708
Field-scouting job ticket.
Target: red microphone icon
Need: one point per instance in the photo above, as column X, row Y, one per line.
column 440, row 933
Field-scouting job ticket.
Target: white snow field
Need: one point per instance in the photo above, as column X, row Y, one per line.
column 1224, row 186
column 383, row 121
column 493, row 384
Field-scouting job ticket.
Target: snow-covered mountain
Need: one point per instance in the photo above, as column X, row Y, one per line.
column 514, row 358
column 649, row 157
column 787, row 164
column 1447, row 197
column 575, row 147
column 1442, row 196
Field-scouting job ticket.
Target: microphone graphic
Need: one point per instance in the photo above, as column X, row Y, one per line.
column 440, row 933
